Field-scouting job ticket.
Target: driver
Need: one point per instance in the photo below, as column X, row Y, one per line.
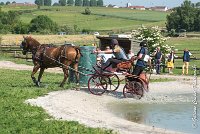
column 142, row 59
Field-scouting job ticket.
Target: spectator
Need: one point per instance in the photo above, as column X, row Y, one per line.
column 158, row 58
column 130, row 54
column 170, row 62
column 186, row 60
column 142, row 59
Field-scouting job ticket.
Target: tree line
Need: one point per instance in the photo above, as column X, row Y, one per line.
column 86, row 3
column 184, row 18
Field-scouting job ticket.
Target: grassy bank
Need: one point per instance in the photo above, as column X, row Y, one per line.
column 18, row 117
column 101, row 19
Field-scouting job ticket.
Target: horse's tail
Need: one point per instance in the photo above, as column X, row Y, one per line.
column 78, row 51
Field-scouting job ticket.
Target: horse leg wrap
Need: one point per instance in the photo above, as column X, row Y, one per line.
column 34, row 80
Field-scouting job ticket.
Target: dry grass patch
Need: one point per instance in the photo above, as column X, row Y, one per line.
column 11, row 39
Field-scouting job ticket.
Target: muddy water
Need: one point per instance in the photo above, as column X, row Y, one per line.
column 172, row 115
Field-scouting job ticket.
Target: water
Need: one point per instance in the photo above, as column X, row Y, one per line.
column 172, row 116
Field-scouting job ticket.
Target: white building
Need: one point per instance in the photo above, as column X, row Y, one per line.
column 159, row 8
column 128, row 5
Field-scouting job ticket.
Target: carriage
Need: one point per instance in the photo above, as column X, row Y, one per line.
column 100, row 80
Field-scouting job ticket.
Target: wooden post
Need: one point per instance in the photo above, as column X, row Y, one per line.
column 163, row 61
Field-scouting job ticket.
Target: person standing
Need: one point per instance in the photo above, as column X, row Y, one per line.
column 170, row 62
column 142, row 59
column 158, row 58
column 186, row 60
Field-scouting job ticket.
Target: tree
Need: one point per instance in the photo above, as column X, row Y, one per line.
column 8, row 21
column 43, row 24
column 197, row 4
column 2, row 3
column 78, row 2
column 154, row 39
column 182, row 17
column 13, row 2
column 62, row 2
column 8, row 2
column 20, row 28
column 93, row 3
column 70, row 2
column 39, row 2
column 67, row 29
column 47, row 2
column 86, row 3
column 100, row 3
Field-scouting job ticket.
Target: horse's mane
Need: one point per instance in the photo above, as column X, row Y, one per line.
column 31, row 40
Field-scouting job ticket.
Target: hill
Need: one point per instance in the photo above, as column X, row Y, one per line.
column 101, row 19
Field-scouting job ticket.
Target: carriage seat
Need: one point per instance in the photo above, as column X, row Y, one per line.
column 126, row 65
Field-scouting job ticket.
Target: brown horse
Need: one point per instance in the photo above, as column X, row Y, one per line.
column 45, row 56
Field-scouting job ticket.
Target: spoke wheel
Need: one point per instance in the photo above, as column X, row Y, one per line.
column 133, row 88
column 112, row 81
column 97, row 85
column 138, row 88
column 128, row 92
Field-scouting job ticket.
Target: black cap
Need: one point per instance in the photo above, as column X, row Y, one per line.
column 114, row 42
column 143, row 44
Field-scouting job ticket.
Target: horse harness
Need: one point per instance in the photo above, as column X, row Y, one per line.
column 39, row 57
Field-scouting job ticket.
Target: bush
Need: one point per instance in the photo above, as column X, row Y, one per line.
column 67, row 29
column 87, row 11
column 43, row 23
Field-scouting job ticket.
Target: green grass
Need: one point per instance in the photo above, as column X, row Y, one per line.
column 181, row 43
column 18, row 117
column 9, row 57
column 102, row 18
column 161, row 80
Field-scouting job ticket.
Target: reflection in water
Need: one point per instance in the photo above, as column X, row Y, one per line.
column 173, row 116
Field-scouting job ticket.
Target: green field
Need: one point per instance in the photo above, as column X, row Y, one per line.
column 193, row 44
column 17, row 117
column 101, row 19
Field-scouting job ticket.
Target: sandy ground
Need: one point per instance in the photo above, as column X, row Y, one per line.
column 92, row 110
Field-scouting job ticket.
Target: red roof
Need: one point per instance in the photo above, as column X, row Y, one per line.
column 136, row 7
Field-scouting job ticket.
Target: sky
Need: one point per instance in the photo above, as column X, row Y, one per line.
column 146, row 3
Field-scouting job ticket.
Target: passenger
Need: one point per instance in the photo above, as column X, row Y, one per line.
column 130, row 54
column 106, row 56
column 117, row 51
column 142, row 59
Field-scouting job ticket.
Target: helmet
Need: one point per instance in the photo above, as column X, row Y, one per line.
column 114, row 42
column 143, row 44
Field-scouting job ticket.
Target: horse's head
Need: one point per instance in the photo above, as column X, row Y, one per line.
column 25, row 46
column 29, row 45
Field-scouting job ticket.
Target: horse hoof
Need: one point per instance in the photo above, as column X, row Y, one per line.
column 38, row 84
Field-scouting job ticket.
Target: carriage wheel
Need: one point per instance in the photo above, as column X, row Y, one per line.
column 133, row 88
column 138, row 88
column 112, row 81
column 97, row 85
